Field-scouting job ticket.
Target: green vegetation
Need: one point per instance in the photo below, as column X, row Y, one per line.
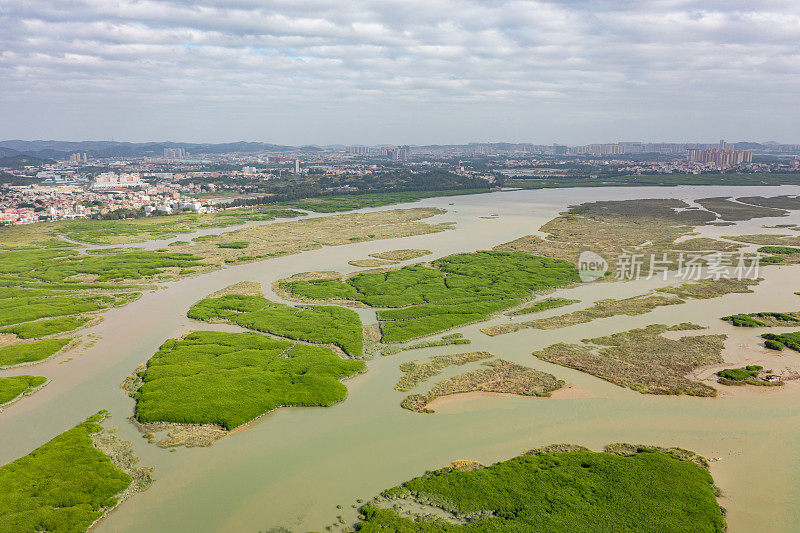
column 400, row 255
column 777, row 202
column 784, row 250
column 229, row 379
column 642, row 359
column 499, row 376
column 763, row 319
column 711, row 288
column 740, row 374
column 748, row 375
column 543, row 305
column 30, row 352
column 575, row 490
column 13, row 387
column 17, row 310
column 784, row 340
column 64, row 485
column 234, row 245
column 416, row 372
column 453, row 291
column 729, row 210
column 663, row 180
column 161, row 227
column 43, row 328
column 611, row 228
column 637, row 305
column 446, row 340
column 348, row 202
column 314, row 323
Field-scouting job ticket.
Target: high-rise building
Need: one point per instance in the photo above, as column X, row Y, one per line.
column 175, row 153
column 357, row 150
column 297, row 166
column 721, row 158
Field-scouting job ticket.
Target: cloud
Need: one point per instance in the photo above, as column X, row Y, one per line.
column 540, row 61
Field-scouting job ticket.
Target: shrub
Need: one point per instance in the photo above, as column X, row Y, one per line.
column 64, row 485
column 228, row 379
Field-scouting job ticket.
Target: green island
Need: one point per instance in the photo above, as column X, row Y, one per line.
column 731, row 211
column 542, row 305
column 611, row 228
column 415, row 372
column 70, row 482
column 499, row 376
column 446, row 340
column 403, row 254
column 30, row 352
column 229, row 379
column 763, row 319
column 318, row 324
column 45, row 328
column 554, row 489
column 784, row 340
column 748, row 375
column 12, row 388
column 370, row 263
column 452, row 291
column 633, row 306
column 643, row 359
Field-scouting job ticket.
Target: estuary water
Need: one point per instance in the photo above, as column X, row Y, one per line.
column 292, row 467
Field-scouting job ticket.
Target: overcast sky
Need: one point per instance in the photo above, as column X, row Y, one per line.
column 408, row 71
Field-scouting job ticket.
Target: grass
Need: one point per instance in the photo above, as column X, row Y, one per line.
column 228, row 379
column 453, row 291
column 284, row 238
column 763, row 319
column 401, row 255
column 161, row 227
column 498, row 376
column 637, row 305
column 14, row 387
column 30, row 352
column 446, row 340
column 348, row 202
column 748, row 375
column 18, row 310
column 415, row 372
column 784, row 340
column 729, row 210
column 642, row 359
column 777, row 202
column 610, row 228
column 783, row 250
column 370, row 263
column 234, row 245
column 543, row 305
column 64, row 485
column 44, row 328
column 64, row 265
column 580, row 491
column 710, row 288
column 318, row 324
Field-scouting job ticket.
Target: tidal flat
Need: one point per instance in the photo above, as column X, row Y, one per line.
column 357, row 448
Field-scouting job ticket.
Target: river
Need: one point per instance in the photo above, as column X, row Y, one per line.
column 292, row 467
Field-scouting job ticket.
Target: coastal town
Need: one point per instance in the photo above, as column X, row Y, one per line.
column 56, row 183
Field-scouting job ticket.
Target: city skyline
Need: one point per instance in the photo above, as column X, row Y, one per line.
column 442, row 72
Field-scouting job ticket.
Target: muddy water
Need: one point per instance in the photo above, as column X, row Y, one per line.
column 292, row 467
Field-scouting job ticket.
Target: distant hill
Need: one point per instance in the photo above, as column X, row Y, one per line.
column 62, row 149
column 22, row 160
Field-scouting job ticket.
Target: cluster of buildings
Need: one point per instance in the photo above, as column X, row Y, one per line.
column 721, row 158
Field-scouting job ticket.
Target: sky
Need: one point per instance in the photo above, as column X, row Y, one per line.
column 400, row 71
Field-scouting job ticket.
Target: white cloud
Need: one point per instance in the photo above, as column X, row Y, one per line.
column 446, row 63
